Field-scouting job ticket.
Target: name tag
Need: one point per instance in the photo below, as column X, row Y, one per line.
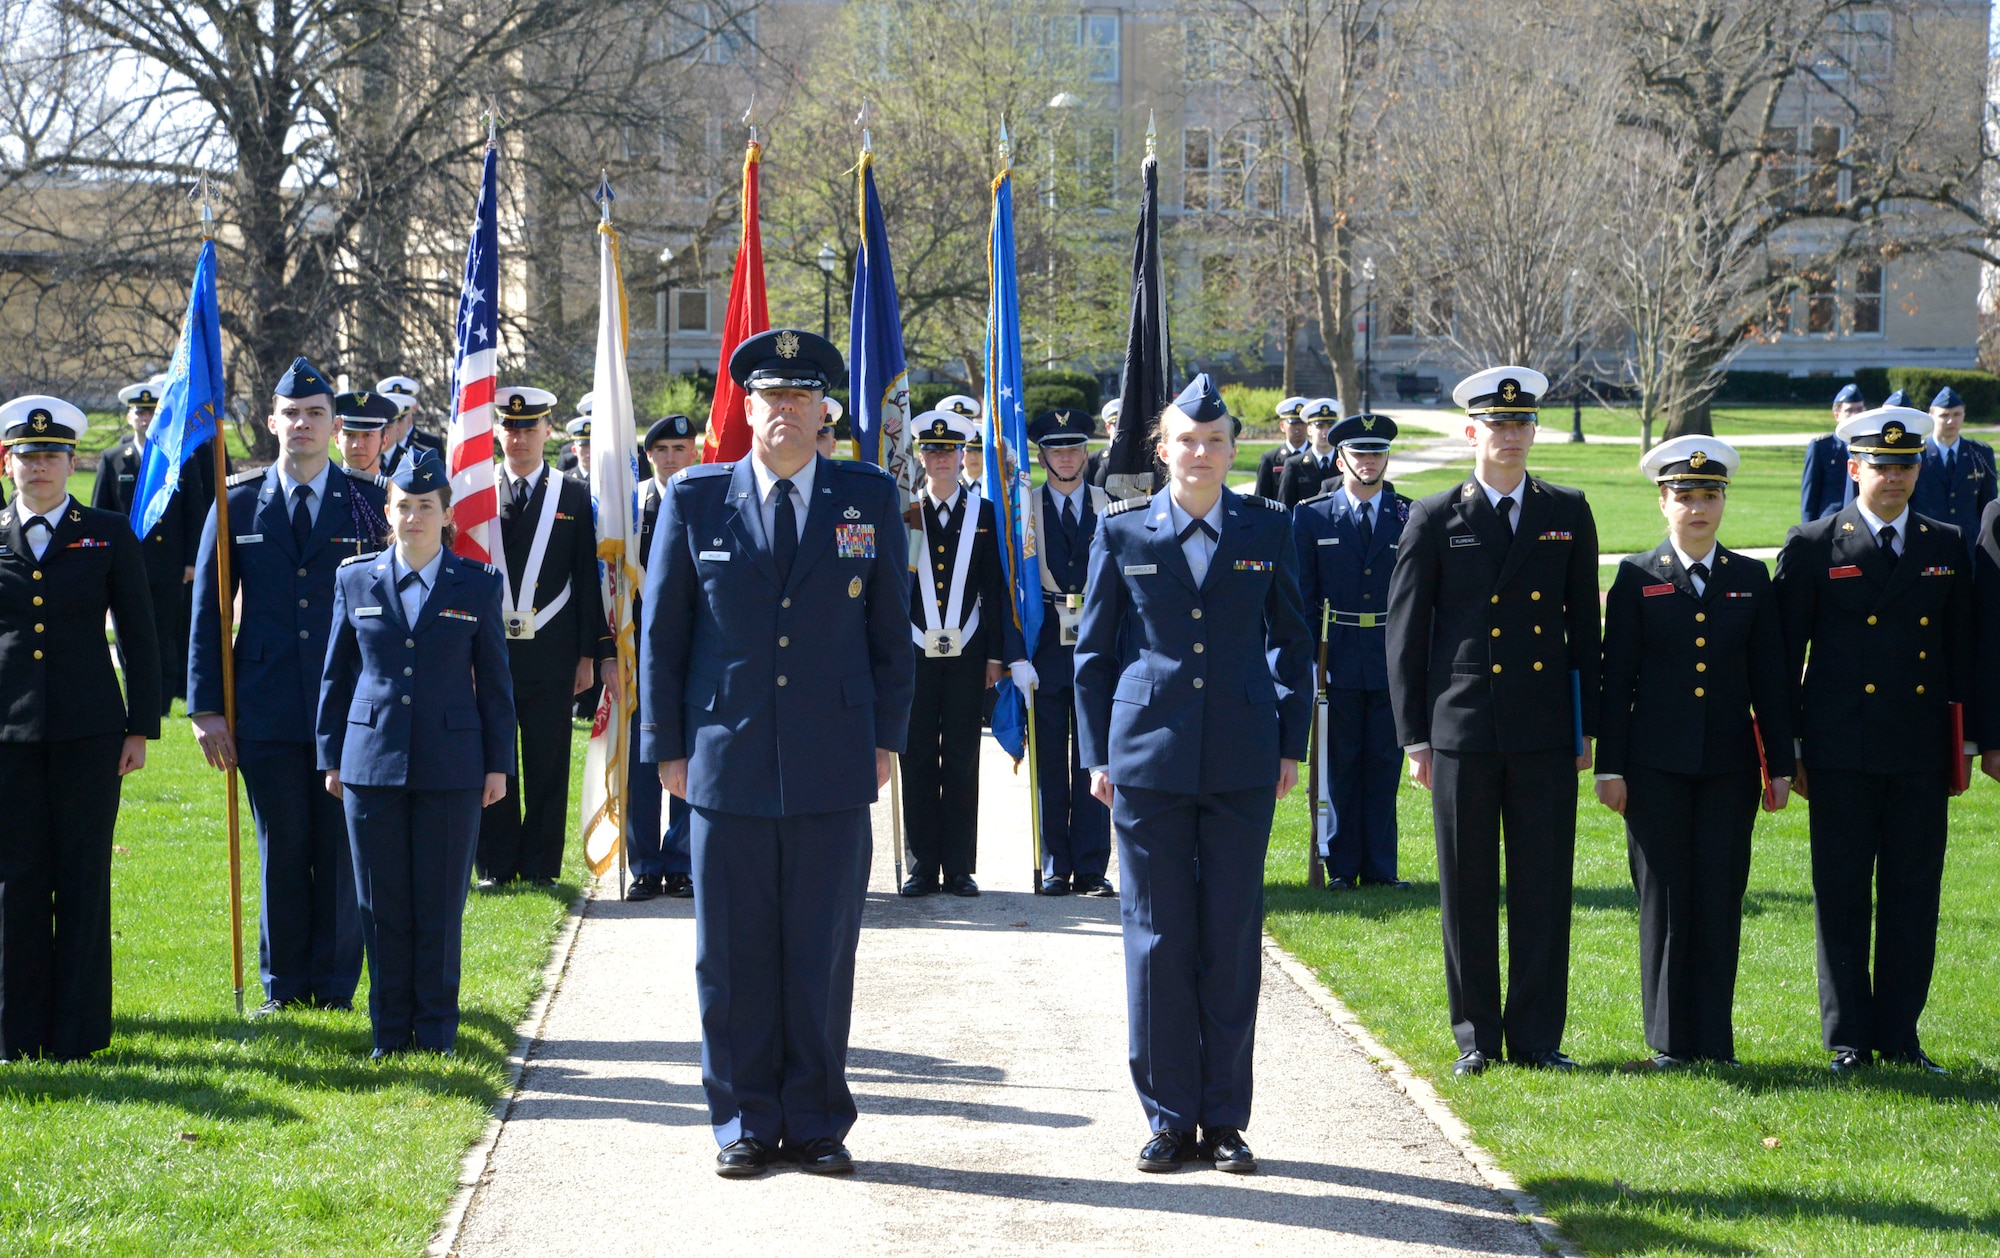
column 1653, row 590
column 363, row 613
column 855, row 541
column 1141, row 569
column 1329, row 541
column 468, row 617
column 1465, row 539
column 720, row 556
column 1842, row 572
column 244, row 539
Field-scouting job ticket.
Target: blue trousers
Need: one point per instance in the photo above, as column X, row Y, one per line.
column 1364, row 765
column 1192, row 900
column 777, row 905
column 308, row 928
column 647, row 852
column 1076, row 829
column 412, row 860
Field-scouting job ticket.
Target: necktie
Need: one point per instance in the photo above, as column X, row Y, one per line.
column 1699, row 571
column 521, row 493
column 1365, row 526
column 1197, row 526
column 302, row 521
column 785, row 546
column 1886, row 539
column 1069, row 523
column 38, row 521
column 1506, row 509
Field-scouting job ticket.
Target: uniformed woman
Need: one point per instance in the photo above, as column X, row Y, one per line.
column 1694, row 669
column 1193, row 689
column 416, row 735
column 67, row 736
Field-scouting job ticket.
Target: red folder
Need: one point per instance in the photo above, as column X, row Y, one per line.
column 1771, row 803
column 1959, row 776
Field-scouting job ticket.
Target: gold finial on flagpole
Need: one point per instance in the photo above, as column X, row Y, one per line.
column 1152, row 138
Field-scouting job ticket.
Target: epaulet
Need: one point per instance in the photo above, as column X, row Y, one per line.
column 1324, row 493
column 1127, row 504
column 249, row 477
column 697, row 471
column 354, row 559
column 1269, row 504
column 380, row 481
column 855, row 467
column 481, row 564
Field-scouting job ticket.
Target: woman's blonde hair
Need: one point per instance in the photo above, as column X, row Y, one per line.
column 450, row 531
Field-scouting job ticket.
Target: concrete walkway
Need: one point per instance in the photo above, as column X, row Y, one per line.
column 997, row 1116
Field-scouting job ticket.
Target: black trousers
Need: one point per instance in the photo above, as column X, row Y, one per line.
column 1687, row 837
column 171, row 627
column 1532, row 795
column 941, row 767
column 55, row 895
column 521, row 835
column 308, row 928
column 1878, row 860
column 1076, row 829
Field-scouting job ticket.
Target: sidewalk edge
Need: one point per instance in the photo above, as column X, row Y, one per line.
column 1425, row 1097
column 472, row 1168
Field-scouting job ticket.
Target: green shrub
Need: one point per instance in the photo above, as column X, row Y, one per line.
column 657, row 395
column 1761, row 386
column 1874, row 382
column 1082, row 381
column 1980, row 389
column 925, row 397
column 1049, row 397
column 1257, row 408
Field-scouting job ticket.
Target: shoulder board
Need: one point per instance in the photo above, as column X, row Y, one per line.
column 1269, row 504
column 699, row 471
column 250, row 477
column 857, row 467
column 355, row 559
column 1324, row 493
column 1128, row 504
column 479, row 564
column 380, row 481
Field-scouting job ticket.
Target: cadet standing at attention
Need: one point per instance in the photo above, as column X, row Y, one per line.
column 1694, row 675
column 827, row 444
column 1876, row 602
column 1957, row 480
column 1493, row 669
column 775, row 690
column 556, row 632
column 169, row 548
column 363, row 416
column 1099, row 465
column 660, row 862
column 68, row 737
column 416, row 734
column 1193, row 692
column 1076, row 827
column 1294, row 441
column 1824, row 485
column 290, row 526
column 1347, row 539
column 1310, row 471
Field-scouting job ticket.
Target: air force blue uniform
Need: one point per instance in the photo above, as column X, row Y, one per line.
column 1342, row 571
column 1824, row 486
column 1190, row 692
column 1955, row 487
column 777, row 690
column 309, row 932
column 414, row 716
column 651, row 851
column 1076, row 828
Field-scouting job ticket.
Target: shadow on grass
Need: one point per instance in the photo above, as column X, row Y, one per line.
column 1372, row 903
column 111, row 1079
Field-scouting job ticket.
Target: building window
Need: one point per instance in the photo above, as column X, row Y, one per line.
column 1408, row 316
column 1822, row 308
column 1096, row 165
column 1197, row 168
column 1098, row 33
column 691, row 310
column 1865, row 306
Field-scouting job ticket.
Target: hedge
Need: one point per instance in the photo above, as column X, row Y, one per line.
column 1049, row 397
column 925, row 397
column 1082, row 381
column 1980, row 389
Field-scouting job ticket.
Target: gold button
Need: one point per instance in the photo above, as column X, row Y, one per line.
column 1538, row 666
column 1870, row 687
column 784, row 641
column 1922, row 655
column 38, row 600
column 38, row 628
column 1535, row 595
column 1496, row 598
column 940, row 550
column 1496, row 668
column 1699, row 692
column 1496, row 633
column 1701, row 641
column 38, row 655
column 781, row 679
column 38, row 576
column 1199, row 648
column 1196, row 613
column 1923, row 620
column 1538, row 628
column 1700, row 667
column 1871, row 620
column 1920, row 690
column 1700, row 616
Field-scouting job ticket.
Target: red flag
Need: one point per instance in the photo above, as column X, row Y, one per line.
column 728, row 436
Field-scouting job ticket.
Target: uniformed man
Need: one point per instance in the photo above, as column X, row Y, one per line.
column 961, row 621
column 1493, row 649
column 406, row 435
column 363, row 417
column 1100, row 460
column 290, row 525
column 68, row 736
column 169, row 547
column 1957, row 479
column 556, row 634
column 1076, row 827
column 828, row 444
column 1347, row 538
column 1313, row 470
column 660, row 863
column 1193, row 693
column 1295, row 440
column 1824, row 486
column 969, row 409
column 573, row 459
column 775, row 688
column 1696, row 702
column 1876, row 601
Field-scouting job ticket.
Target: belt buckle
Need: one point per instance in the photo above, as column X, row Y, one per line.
column 520, row 626
column 1366, row 620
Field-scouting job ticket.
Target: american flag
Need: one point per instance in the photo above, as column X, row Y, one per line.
column 470, row 448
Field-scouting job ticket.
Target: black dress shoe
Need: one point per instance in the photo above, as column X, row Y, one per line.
column 1168, row 1151
column 1224, row 1146
column 678, row 887
column 1055, row 886
column 1548, row 1059
column 914, row 886
column 383, row 1054
column 338, row 1006
column 643, row 888
column 1099, row 887
column 1916, row 1057
column 544, row 883
column 823, row 1156
column 1847, row 1061
column 963, row 885
column 270, row 1007
column 1658, row 1061
column 741, row 1159
column 1470, row 1063
column 1394, row 884
column 487, row 884
column 1341, row 884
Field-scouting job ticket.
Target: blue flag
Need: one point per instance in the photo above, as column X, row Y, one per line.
column 190, row 402
column 878, row 395
column 1007, row 478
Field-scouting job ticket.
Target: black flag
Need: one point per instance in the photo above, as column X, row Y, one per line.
column 1143, row 390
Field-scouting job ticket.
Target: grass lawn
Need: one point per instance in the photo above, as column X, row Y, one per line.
column 199, row 1133
column 1773, row 1158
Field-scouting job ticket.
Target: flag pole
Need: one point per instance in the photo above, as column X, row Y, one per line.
column 1034, row 796
column 1315, row 870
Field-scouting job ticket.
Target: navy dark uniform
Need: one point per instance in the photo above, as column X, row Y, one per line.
column 169, row 548
column 1824, row 485
column 1309, row 473
column 1076, row 828
column 1955, row 485
column 1347, row 551
column 660, row 862
column 557, row 618
column 1272, row 464
column 777, row 669
column 63, row 726
column 1190, row 689
column 1487, row 625
column 1098, row 466
column 283, row 553
column 415, row 711
column 1689, row 658
column 1882, row 629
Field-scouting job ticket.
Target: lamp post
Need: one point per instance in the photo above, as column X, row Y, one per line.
column 1368, row 336
column 1576, row 392
column 663, row 307
column 827, row 259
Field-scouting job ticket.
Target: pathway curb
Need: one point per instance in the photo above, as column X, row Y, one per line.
column 1425, row 1097
column 473, row 1167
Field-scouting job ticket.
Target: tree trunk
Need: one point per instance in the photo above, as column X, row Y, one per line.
column 1288, row 375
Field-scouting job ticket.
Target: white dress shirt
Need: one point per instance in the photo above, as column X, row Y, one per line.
column 38, row 539
column 413, row 598
column 1198, row 548
column 767, row 493
column 1707, row 562
column 1876, row 524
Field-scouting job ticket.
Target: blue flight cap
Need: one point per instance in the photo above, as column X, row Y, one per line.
column 669, row 428
column 1946, row 398
column 1849, row 393
column 423, row 473
column 787, row 358
column 1201, row 402
column 303, row 380
column 1898, row 398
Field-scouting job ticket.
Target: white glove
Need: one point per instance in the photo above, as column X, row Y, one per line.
column 1025, row 677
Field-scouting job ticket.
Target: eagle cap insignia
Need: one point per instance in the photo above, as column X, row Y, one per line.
column 1698, row 460
column 788, row 344
column 1509, row 390
column 1892, row 433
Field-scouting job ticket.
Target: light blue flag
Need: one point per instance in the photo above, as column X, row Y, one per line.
column 191, row 401
column 1007, row 478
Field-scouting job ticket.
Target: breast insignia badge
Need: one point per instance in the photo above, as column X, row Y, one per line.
column 854, row 588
